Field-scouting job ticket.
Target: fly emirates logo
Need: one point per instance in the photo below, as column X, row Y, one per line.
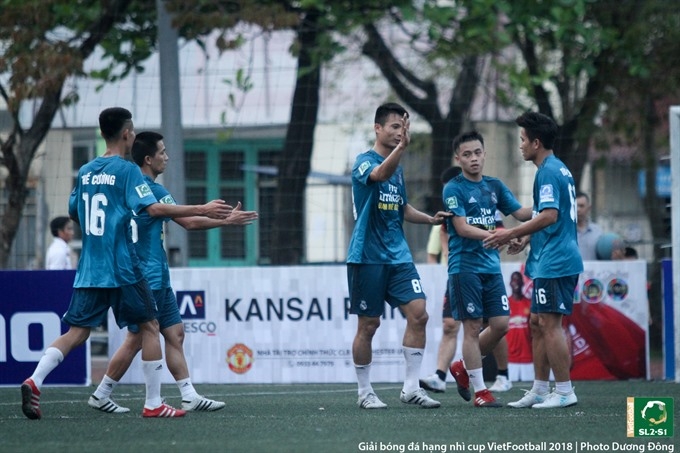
column 485, row 221
column 99, row 179
column 390, row 200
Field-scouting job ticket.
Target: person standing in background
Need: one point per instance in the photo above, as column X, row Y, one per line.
column 58, row 256
column 588, row 231
column 520, row 357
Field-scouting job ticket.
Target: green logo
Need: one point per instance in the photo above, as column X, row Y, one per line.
column 143, row 190
column 649, row 417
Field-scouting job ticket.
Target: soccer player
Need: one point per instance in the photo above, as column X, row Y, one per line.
column 379, row 263
column 108, row 190
column 148, row 152
column 554, row 261
column 476, row 287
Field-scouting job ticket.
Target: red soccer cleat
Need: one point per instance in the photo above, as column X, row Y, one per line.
column 484, row 398
column 30, row 400
column 460, row 374
column 163, row 411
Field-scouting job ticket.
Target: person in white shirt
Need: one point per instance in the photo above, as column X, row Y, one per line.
column 59, row 253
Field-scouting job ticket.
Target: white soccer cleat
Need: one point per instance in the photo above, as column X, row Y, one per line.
column 557, row 400
column 529, row 399
column 202, row 404
column 419, row 397
column 370, row 401
column 502, row 384
column 106, row 405
column 433, row 384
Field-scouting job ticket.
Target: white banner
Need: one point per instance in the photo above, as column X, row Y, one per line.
column 290, row 324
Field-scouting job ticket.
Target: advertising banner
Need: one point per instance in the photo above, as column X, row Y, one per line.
column 31, row 306
column 291, row 324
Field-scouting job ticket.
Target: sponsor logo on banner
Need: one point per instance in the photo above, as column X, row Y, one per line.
column 649, row 417
column 192, row 310
column 617, row 289
column 593, row 291
column 240, row 358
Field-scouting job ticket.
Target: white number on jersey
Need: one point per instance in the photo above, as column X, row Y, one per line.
column 94, row 214
column 572, row 199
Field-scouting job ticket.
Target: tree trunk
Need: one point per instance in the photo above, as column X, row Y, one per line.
column 294, row 162
column 422, row 97
column 19, row 149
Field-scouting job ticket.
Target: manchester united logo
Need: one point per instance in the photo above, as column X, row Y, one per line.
column 240, row 358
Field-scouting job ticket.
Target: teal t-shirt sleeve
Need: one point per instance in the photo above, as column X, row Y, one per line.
column 453, row 199
column 363, row 167
column 548, row 191
column 138, row 192
column 507, row 203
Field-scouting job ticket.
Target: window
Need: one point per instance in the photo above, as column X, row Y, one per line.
column 229, row 170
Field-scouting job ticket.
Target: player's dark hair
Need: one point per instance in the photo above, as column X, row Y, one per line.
column 630, row 253
column 465, row 137
column 584, row 195
column 450, row 173
column 539, row 126
column 385, row 110
column 146, row 144
column 112, row 121
column 57, row 224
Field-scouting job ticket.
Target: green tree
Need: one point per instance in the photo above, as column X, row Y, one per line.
column 443, row 64
column 636, row 118
column 37, row 55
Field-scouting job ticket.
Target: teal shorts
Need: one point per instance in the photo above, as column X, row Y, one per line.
column 131, row 304
column 371, row 285
column 168, row 311
column 475, row 296
column 554, row 295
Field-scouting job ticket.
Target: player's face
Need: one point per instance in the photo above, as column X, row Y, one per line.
column 516, row 282
column 389, row 134
column 582, row 207
column 129, row 136
column 67, row 233
column 159, row 161
column 528, row 147
column 470, row 157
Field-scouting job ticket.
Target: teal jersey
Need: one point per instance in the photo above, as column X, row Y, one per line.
column 107, row 192
column 378, row 236
column 554, row 250
column 478, row 203
column 149, row 240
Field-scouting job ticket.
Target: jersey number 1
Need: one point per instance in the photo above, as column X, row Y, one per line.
column 94, row 213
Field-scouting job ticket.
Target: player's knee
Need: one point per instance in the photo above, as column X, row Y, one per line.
column 451, row 327
column 368, row 326
column 420, row 319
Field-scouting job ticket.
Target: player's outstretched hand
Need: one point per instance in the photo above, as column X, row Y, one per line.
column 498, row 238
column 240, row 217
column 440, row 217
column 515, row 246
column 217, row 209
